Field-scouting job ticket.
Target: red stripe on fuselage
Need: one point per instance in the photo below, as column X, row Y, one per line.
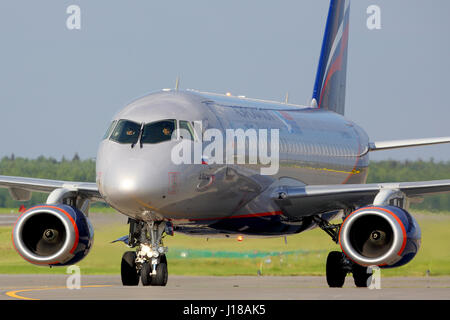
column 250, row 215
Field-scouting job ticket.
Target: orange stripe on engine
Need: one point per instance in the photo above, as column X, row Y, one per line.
column 392, row 214
column 77, row 236
column 403, row 230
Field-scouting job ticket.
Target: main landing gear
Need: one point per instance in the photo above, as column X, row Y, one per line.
column 338, row 265
column 148, row 263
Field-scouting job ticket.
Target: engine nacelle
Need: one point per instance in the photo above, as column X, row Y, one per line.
column 53, row 235
column 384, row 236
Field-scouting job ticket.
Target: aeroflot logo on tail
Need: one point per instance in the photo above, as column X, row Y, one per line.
column 239, row 146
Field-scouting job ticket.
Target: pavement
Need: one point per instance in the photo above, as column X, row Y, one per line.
column 109, row 287
column 8, row 219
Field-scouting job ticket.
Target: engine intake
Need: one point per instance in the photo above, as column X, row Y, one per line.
column 53, row 235
column 384, row 236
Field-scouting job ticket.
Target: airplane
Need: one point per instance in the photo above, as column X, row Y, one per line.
column 320, row 176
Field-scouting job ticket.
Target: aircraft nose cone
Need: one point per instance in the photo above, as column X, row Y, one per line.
column 133, row 186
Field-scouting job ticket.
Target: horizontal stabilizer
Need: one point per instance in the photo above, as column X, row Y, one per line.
column 394, row 144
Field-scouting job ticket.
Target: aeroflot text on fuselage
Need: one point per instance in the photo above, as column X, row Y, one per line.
column 255, row 152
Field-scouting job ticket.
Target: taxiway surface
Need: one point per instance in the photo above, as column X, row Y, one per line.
column 106, row 287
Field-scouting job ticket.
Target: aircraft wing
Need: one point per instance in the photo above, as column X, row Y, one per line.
column 394, row 144
column 314, row 199
column 20, row 187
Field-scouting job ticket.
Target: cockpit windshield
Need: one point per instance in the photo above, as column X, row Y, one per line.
column 110, row 128
column 126, row 132
column 158, row 131
column 186, row 131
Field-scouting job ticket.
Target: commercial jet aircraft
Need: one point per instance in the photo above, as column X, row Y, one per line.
column 316, row 172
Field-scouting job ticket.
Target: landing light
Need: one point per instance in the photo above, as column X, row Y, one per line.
column 127, row 184
column 240, row 238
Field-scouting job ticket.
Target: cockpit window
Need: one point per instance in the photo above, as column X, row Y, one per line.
column 126, row 132
column 110, row 128
column 159, row 131
column 186, row 131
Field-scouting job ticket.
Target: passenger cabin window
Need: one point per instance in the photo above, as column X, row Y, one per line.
column 126, row 132
column 110, row 128
column 186, row 131
column 159, row 131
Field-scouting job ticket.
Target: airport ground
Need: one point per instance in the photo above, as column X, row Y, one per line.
column 109, row 287
column 220, row 268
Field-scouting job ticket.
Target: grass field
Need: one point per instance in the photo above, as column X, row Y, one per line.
column 105, row 257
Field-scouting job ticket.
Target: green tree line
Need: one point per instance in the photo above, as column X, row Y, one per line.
column 84, row 170
column 398, row 171
column 45, row 168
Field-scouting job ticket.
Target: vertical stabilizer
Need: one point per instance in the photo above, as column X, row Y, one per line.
column 329, row 87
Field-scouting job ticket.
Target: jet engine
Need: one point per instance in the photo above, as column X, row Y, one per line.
column 53, row 235
column 384, row 236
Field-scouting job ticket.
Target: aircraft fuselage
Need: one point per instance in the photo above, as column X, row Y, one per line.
column 142, row 181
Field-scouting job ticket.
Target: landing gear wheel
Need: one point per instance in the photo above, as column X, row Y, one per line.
column 335, row 269
column 128, row 271
column 162, row 273
column 160, row 279
column 360, row 275
column 146, row 276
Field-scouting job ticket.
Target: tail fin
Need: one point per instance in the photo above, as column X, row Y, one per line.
column 329, row 88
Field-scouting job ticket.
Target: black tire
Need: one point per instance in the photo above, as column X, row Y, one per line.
column 162, row 274
column 128, row 271
column 335, row 270
column 163, row 259
column 360, row 275
column 146, row 276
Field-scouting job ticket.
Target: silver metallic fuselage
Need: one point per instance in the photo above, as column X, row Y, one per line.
column 316, row 147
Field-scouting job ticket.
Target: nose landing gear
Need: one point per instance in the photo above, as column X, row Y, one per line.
column 155, row 274
column 149, row 262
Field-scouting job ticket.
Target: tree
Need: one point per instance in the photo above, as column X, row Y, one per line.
column 76, row 157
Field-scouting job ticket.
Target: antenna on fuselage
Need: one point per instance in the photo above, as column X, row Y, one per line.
column 177, row 83
column 286, row 98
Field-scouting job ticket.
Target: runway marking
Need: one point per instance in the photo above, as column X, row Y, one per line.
column 13, row 294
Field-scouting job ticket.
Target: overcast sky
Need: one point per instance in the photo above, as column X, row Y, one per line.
column 59, row 88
